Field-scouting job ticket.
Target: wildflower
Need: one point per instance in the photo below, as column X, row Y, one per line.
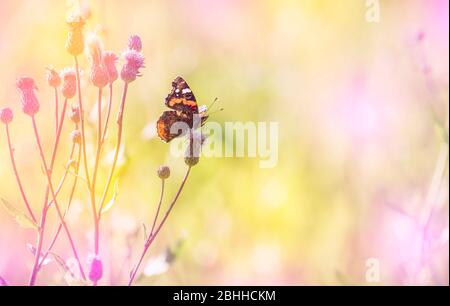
column 75, row 40
column 69, row 87
column 109, row 60
column 163, row 172
column 76, row 136
column 30, row 103
column 53, row 78
column 74, row 114
column 134, row 43
column 96, row 269
column 134, row 61
column 6, row 115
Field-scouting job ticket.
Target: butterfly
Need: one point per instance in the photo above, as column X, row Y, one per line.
column 184, row 107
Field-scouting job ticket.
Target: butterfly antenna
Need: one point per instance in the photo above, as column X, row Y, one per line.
column 211, row 105
column 216, row 111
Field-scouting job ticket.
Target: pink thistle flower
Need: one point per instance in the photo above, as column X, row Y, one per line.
column 53, row 78
column 109, row 62
column 29, row 101
column 6, row 115
column 96, row 269
column 134, row 61
column 69, row 86
column 134, row 43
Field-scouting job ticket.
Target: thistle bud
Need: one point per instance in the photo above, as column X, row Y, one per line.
column 29, row 101
column 191, row 160
column 69, row 87
column 163, row 172
column 76, row 136
column 96, row 269
column 109, row 60
column 99, row 76
column 74, row 114
column 134, row 43
column 53, row 78
column 6, row 115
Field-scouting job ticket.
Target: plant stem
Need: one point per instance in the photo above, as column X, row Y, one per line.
column 105, row 128
column 152, row 237
column 48, row 172
column 116, row 153
column 16, row 173
column 55, row 236
column 56, row 110
column 159, row 207
column 80, row 106
column 52, row 190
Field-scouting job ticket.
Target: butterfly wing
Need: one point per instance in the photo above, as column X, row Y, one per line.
column 165, row 122
column 181, row 98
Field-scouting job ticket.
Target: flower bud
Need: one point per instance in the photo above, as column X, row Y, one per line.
column 69, row 87
column 191, row 160
column 163, row 172
column 96, row 269
column 109, row 62
column 134, row 43
column 29, row 101
column 53, row 78
column 74, row 114
column 99, row 76
column 6, row 115
column 76, row 136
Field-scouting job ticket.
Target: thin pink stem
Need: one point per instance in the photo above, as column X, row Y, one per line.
column 16, row 173
column 151, row 238
column 72, row 192
column 117, row 150
column 80, row 105
column 105, row 128
column 56, row 110
column 52, row 190
column 159, row 207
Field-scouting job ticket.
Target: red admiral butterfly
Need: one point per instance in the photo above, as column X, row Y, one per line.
column 182, row 100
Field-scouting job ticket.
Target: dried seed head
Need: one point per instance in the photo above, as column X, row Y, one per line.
column 163, row 172
column 6, row 115
column 53, row 78
column 69, row 87
column 75, row 39
column 29, row 101
column 94, row 49
column 76, row 136
column 74, row 114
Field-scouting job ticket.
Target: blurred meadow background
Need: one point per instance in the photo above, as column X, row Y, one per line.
column 362, row 172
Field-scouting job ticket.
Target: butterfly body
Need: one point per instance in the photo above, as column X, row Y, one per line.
column 184, row 107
